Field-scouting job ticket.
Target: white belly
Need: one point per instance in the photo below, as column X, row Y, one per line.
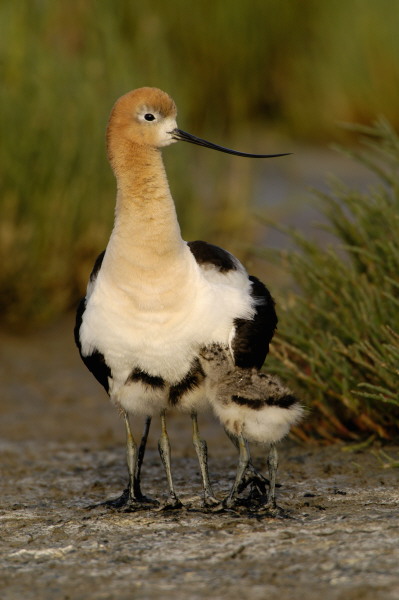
column 140, row 399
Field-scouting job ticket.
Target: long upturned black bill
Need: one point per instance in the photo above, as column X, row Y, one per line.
column 183, row 136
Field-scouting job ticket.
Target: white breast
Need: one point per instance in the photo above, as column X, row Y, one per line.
column 159, row 323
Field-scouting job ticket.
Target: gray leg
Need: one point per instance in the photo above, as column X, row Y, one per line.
column 132, row 498
column 243, row 460
column 251, row 476
column 272, row 462
column 202, row 454
column 131, row 458
column 164, row 451
column 140, row 458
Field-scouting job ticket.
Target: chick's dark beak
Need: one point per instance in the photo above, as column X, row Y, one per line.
column 183, row 136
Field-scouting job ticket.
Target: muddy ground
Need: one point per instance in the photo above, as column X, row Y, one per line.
column 62, row 448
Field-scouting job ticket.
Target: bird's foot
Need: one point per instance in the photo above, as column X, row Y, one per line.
column 128, row 503
column 271, row 509
column 210, row 501
column 212, row 504
column 256, row 497
column 258, row 483
column 171, row 503
column 230, row 502
column 239, row 504
column 258, row 505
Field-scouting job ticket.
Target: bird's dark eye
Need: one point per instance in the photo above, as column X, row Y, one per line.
column 149, row 117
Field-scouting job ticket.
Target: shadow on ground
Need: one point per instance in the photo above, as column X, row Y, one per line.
column 62, row 448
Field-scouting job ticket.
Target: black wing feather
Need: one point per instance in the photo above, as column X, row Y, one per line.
column 208, row 254
column 95, row 361
column 253, row 336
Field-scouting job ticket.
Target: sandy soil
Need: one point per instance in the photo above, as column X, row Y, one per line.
column 62, row 448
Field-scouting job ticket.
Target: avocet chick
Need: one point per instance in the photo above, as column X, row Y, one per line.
column 252, row 407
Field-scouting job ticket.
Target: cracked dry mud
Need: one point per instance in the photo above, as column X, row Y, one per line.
column 62, row 448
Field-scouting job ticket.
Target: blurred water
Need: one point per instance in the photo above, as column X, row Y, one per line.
column 283, row 191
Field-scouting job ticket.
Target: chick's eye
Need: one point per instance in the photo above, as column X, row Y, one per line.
column 149, row 117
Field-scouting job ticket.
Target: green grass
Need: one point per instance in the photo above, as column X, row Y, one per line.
column 235, row 70
column 338, row 340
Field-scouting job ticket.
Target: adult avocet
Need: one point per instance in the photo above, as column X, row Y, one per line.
column 153, row 300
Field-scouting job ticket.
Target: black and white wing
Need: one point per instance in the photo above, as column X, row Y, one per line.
column 251, row 337
column 95, row 361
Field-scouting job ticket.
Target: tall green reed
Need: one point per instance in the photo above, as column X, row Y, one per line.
column 338, row 340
